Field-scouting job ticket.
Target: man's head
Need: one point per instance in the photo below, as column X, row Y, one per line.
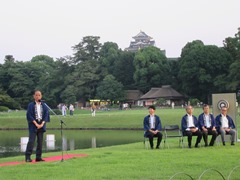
column 37, row 95
column 206, row 108
column 151, row 109
column 224, row 110
column 189, row 110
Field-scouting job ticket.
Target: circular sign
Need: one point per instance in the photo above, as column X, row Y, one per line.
column 222, row 103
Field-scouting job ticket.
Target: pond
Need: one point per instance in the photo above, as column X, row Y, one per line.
column 12, row 142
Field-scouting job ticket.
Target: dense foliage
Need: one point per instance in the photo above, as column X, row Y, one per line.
column 104, row 71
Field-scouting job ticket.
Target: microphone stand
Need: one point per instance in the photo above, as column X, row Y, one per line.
column 61, row 123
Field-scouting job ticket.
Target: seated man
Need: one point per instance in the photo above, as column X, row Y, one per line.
column 208, row 125
column 225, row 125
column 190, row 127
column 152, row 126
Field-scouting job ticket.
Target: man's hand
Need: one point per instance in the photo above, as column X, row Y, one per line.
column 227, row 129
column 204, row 129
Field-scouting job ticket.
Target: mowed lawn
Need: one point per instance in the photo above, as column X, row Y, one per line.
column 131, row 161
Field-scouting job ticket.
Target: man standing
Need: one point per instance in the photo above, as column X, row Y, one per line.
column 152, row 127
column 190, row 127
column 37, row 116
column 208, row 125
column 225, row 125
column 71, row 109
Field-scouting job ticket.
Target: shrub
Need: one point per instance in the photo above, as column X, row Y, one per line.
column 3, row 108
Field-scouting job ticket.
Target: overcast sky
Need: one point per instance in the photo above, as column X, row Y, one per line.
column 51, row 27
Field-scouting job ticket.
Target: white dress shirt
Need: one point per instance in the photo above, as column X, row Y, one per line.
column 224, row 122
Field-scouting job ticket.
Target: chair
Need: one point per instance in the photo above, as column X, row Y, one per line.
column 146, row 141
column 173, row 131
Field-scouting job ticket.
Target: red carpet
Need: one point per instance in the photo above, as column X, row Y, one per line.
column 48, row 159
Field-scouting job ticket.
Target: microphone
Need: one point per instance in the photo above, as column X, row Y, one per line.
column 40, row 100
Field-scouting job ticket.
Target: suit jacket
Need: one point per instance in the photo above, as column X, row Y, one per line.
column 31, row 117
column 219, row 122
column 158, row 125
column 184, row 123
column 201, row 121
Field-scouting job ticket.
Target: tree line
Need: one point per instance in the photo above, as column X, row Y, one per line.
column 104, row 71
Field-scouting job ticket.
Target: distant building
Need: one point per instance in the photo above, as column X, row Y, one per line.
column 133, row 96
column 165, row 92
column 142, row 40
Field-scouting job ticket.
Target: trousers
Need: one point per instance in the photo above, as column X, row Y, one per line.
column 30, row 144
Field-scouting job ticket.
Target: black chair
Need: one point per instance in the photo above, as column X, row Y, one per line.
column 173, row 131
column 146, row 141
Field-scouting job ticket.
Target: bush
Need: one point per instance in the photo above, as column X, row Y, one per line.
column 3, row 108
column 194, row 101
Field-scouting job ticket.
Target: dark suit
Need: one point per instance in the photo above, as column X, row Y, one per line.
column 221, row 131
column 186, row 131
column 33, row 131
column 147, row 128
column 202, row 123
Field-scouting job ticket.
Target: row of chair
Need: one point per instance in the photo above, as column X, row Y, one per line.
column 170, row 131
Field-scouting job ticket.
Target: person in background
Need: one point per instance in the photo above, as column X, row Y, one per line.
column 207, row 125
column 152, row 127
column 37, row 116
column 93, row 110
column 64, row 110
column 71, row 109
column 225, row 125
column 190, row 127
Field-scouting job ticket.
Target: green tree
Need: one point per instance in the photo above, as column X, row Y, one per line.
column 87, row 49
column 84, row 77
column 124, row 69
column 232, row 45
column 202, row 70
column 110, row 89
column 109, row 54
column 151, row 68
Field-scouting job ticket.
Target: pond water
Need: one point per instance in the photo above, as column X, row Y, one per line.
column 12, row 143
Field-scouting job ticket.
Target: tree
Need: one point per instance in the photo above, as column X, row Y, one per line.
column 151, row 68
column 84, row 77
column 203, row 70
column 87, row 49
column 124, row 69
column 9, row 59
column 110, row 89
column 232, row 45
column 109, row 54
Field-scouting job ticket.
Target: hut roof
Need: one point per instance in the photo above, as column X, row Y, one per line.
column 166, row 92
column 133, row 94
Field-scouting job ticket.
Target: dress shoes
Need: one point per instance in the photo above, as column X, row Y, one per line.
column 28, row 160
column 39, row 160
column 232, row 143
column 196, row 145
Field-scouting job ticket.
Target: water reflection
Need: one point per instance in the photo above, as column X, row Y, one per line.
column 10, row 141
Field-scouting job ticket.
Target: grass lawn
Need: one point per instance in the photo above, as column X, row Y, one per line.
column 131, row 161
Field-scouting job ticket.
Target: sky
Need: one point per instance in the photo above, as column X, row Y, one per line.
column 51, row 27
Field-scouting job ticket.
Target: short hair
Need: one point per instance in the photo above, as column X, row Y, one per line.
column 188, row 107
column 152, row 107
column 205, row 105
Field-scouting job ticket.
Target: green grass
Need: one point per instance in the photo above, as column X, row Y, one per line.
column 131, row 161
column 103, row 119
